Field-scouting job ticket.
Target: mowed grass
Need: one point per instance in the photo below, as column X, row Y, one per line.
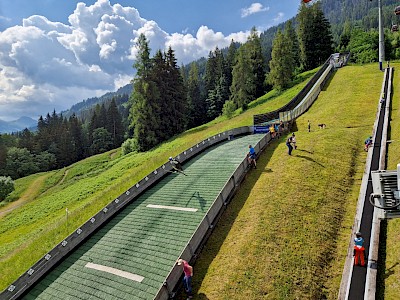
column 392, row 265
column 286, row 232
column 29, row 231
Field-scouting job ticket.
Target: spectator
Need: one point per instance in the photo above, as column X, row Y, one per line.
column 294, row 141
column 289, row 145
column 367, row 143
column 272, row 131
column 281, row 127
column 251, row 156
column 309, row 126
column 277, row 130
column 359, row 250
column 187, row 278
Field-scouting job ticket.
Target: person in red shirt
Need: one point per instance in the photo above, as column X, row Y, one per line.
column 187, row 278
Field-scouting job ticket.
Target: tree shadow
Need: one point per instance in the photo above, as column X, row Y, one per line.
column 200, row 199
column 310, row 159
column 390, row 270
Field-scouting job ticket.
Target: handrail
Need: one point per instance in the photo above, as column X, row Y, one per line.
column 267, row 117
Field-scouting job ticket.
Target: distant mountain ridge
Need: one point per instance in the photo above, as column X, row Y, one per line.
column 87, row 104
column 17, row 125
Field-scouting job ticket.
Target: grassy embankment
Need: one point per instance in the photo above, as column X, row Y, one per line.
column 285, row 234
column 392, row 265
column 38, row 222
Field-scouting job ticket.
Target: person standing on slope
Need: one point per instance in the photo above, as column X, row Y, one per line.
column 187, row 278
column 251, row 156
column 359, row 250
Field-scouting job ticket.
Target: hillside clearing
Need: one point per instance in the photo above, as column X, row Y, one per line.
column 286, row 233
column 29, row 231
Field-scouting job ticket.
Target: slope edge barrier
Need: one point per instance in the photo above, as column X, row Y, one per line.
column 54, row 256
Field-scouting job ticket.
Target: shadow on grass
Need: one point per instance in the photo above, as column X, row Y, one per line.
column 367, row 125
column 302, row 150
column 224, row 225
column 390, row 270
column 326, row 85
column 310, row 159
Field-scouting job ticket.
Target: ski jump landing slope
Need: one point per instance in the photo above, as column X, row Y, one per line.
column 131, row 256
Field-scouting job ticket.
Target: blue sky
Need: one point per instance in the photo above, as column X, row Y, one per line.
column 55, row 53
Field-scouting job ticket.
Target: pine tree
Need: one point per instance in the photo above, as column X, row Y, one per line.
column 66, row 146
column 323, row 40
column 75, row 128
column 217, row 98
column 211, row 72
column 293, row 43
column 26, row 140
column 114, row 124
column 197, row 107
column 282, row 63
column 230, row 61
column 243, row 86
column 315, row 37
column 176, row 95
column 257, row 62
column 144, row 100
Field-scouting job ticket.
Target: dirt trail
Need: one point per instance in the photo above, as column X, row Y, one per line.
column 65, row 175
column 30, row 194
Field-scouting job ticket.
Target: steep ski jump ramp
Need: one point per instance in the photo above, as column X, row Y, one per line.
column 131, row 256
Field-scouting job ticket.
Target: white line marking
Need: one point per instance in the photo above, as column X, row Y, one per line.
column 172, row 207
column 114, row 271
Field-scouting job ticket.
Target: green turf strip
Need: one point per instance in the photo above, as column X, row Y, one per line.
column 142, row 240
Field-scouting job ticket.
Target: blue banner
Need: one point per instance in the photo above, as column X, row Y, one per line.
column 261, row 129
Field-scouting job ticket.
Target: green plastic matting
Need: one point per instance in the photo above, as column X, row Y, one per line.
column 131, row 256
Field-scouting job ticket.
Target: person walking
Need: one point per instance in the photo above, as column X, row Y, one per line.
column 309, row 126
column 187, row 278
column 294, row 141
column 289, row 145
column 359, row 250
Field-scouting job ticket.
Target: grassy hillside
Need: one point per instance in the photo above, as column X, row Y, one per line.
column 286, row 233
column 392, row 267
column 39, row 220
column 284, row 236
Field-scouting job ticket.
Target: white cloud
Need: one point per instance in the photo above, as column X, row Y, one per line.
column 2, row 18
column 47, row 65
column 279, row 17
column 253, row 9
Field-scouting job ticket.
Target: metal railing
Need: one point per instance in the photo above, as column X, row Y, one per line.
column 274, row 115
